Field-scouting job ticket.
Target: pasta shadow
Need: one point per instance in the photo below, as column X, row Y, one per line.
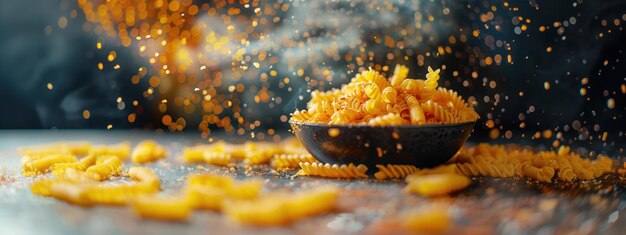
column 423, row 146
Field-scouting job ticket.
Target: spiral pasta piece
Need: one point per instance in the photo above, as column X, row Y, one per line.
column 109, row 166
column 332, row 171
column 580, row 171
column 439, row 113
column 544, row 174
column 394, row 171
column 431, row 79
column 415, row 110
column 400, row 73
column 42, row 165
column 282, row 161
column 566, row 171
column 81, row 165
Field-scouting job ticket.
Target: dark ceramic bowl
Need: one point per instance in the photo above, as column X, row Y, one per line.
column 422, row 146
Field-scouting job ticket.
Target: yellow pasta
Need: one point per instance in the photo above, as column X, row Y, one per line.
column 122, row 194
column 332, row 171
column 394, row 171
column 373, row 100
column 400, row 73
column 209, row 192
column 70, row 192
column 145, row 176
column 109, row 166
column 283, row 161
column 115, row 195
column 147, row 151
column 43, row 187
column 42, row 165
column 258, row 157
column 218, row 159
column 443, row 169
column 207, row 198
column 580, row 171
column 541, row 174
column 415, row 110
column 209, row 180
column 438, row 114
column 566, row 172
column 436, row 184
column 515, row 160
column 81, row 165
column 195, row 154
column 278, row 209
column 121, row 150
column 176, row 208
column 235, row 189
column 432, row 221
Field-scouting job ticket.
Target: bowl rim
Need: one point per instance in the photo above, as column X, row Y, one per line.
column 381, row 127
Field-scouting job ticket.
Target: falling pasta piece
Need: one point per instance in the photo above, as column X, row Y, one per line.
column 332, row 171
column 107, row 167
column 394, row 171
column 147, row 151
column 42, row 165
column 436, row 184
column 432, row 221
column 176, row 208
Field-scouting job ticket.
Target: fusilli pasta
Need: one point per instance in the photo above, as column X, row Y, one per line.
column 332, row 171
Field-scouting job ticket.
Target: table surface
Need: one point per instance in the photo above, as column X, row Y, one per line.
column 510, row 206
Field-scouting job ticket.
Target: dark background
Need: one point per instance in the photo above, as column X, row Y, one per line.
column 588, row 42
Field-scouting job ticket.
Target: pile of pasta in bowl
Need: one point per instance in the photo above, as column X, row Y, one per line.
column 372, row 99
